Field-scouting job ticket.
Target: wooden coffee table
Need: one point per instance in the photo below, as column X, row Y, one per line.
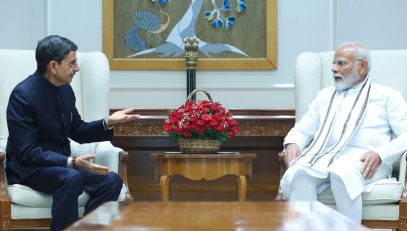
column 260, row 215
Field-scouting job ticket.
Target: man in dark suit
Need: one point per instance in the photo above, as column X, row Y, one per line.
column 41, row 116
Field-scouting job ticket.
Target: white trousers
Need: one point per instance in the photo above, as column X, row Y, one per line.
column 304, row 188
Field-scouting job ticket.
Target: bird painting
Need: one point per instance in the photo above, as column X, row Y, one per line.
column 149, row 22
column 220, row 17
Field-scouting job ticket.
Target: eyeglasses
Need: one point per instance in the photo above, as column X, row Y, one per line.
column 71, row 64
column 343, row 63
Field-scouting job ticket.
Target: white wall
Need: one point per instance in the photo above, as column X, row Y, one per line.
column 380, row 24
column 22, row 23
column 312, row 25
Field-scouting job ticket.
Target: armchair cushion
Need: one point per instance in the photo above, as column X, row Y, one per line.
column 24, row 195
column 30, row 212
column 384, row 191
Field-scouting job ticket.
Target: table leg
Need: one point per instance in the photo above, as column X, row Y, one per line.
column 241, row 188
column 165, row 187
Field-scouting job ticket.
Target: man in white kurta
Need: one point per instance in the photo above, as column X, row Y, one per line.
column 349, row 137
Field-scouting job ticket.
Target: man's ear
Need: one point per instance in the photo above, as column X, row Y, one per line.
column 363, row 67
column 52, row 67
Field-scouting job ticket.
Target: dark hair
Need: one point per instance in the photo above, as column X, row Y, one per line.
column 53, row 47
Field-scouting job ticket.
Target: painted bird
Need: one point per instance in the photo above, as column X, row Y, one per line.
column 148, row 21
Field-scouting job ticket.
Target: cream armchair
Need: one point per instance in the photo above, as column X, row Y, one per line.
column 20, row 206
column 386, row 205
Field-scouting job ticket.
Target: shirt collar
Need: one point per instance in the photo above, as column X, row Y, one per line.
column 45, row 83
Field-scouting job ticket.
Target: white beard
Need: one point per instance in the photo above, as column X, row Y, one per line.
column 348, row 81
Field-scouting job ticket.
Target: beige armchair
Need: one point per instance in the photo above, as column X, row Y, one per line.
column 21, row 206
column 386, row 205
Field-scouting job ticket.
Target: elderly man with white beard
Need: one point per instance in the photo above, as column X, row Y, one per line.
column 349, row 138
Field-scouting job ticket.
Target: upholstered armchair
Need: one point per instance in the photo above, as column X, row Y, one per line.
column 386, row 205
column 21, row 206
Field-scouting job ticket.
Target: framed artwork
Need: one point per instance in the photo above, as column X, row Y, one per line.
column 149, row 34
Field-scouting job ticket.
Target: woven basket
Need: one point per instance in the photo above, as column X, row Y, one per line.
column 196, row 145
column 197, row 90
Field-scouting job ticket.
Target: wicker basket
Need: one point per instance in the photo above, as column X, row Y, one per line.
column 197, row 90
column 196, row 145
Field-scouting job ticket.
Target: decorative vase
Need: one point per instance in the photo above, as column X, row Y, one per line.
column 196, row 145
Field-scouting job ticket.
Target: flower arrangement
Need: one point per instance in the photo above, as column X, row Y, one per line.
column 203, row 119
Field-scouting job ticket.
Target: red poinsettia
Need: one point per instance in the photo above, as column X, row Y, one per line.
column 201, row 119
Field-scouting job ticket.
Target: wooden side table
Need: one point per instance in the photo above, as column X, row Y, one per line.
column 203, row 167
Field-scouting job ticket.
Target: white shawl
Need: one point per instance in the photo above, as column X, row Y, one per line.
column 349, row 126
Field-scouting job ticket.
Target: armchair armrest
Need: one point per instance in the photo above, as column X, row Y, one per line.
column 403, row 200
column 5, row 204
column 283, row 166
column 114, row 158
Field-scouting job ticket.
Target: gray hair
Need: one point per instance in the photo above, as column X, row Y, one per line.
column 361, row 52
column 52, row 47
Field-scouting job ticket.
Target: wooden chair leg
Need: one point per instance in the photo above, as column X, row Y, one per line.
column 5, row 203
column 123, row 173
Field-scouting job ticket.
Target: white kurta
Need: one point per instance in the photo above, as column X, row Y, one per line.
column 383, row 129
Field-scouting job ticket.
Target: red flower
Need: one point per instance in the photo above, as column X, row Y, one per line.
column 213, row 122
column 206, row 117
column 200, row 122
column 201, row 119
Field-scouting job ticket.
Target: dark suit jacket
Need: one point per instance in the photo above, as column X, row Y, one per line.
column 40, row 118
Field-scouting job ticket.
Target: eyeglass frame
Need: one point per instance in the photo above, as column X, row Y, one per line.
column 343, row 63
column 72, row 64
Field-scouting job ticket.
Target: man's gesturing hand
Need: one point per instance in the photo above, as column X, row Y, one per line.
column 122, row 116
column 83, row 162
column 371, row 161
